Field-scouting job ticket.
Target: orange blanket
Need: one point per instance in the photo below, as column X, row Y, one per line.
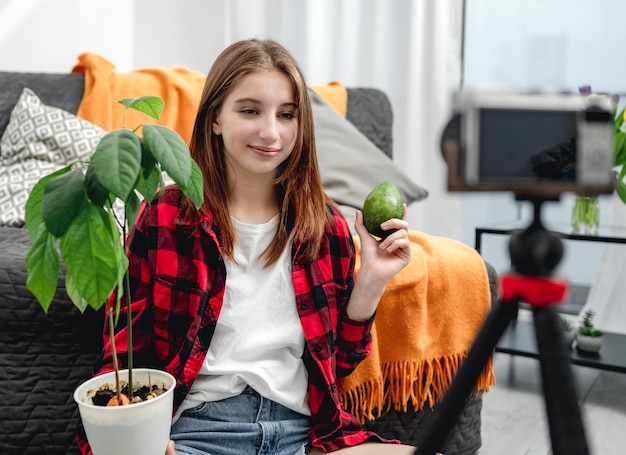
column 426, row 322
column 335, row 94
column 179, row 87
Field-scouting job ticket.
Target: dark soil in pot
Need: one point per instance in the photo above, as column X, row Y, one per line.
column 104, row 394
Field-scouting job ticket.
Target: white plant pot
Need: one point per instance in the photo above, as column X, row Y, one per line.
column 588, row 344
column 136, row 429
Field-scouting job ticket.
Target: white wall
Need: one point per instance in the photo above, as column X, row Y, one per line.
column 166, row 34
column 40, row 35
column 545, row 44
column 541, row 45
column 44, row 35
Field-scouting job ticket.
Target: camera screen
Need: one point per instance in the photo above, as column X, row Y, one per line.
column 534, row 144
column 527, row 145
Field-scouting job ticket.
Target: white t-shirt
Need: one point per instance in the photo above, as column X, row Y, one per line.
column 258, row 339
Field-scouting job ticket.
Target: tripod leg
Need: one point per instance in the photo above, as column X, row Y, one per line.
column 434, row 435
column 564, row 418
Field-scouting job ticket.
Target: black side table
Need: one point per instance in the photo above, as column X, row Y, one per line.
column 519, row 338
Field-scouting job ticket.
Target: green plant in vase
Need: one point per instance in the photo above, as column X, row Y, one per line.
column 70, row 212
column 586, row 214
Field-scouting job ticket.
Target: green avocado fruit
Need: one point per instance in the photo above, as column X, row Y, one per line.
column 381, row 204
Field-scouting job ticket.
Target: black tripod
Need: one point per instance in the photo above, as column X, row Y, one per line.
column 535, row 253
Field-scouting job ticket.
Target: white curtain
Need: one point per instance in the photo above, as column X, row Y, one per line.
column 411, row 49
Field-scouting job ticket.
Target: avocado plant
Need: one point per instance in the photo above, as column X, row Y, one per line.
column 70, row 212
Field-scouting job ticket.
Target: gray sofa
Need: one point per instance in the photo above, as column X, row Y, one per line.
column 44, row 356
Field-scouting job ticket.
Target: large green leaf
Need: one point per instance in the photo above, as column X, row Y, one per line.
column 96, row 191
column 117, row 161
column 618, row 120
column 195, row 188
column 74, row 294
column 87, row 253
column 42, row 264
column 150, row 105
column 621, row 190
column 148, row 163
column 62, row 199
column 619, row 146
column 131, row 208
column 170, row 150
column 148, row 184
column 32, row 208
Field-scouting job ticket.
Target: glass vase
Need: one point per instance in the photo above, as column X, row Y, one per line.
column 586, row 215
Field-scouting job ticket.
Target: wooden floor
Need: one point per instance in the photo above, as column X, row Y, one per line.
column 513, row 415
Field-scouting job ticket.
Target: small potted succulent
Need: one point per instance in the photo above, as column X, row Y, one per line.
column 589, row 338
column 83, row 212
column 569, row 332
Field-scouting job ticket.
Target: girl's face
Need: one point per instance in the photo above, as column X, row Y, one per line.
column 258, row 123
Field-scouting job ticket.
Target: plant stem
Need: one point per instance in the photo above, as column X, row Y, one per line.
column 129, row 324
column 114, row 354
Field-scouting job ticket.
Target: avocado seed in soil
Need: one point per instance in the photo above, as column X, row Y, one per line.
column 106, row 396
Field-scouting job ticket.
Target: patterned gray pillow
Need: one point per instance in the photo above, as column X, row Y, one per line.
column 39, row 139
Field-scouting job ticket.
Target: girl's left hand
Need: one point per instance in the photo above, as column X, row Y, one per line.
column 383, row 259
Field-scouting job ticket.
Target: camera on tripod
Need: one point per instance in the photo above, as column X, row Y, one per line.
column 537, row 145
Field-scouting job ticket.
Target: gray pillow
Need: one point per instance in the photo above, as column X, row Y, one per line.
column 350, row 164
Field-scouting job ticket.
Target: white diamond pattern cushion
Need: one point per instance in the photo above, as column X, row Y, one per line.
column 38, row 140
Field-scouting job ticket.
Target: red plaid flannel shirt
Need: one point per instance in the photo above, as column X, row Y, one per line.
column 178, row 279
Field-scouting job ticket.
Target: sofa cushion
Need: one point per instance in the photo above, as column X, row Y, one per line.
column 38, row 140
column 43, row 358
column 370, row 110
column 350, row 164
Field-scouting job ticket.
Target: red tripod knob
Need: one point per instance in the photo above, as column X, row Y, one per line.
column 536, row 291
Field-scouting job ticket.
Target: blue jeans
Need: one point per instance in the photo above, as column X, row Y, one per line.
column 247, row 424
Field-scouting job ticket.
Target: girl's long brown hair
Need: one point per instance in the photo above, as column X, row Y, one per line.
column 299, row 189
